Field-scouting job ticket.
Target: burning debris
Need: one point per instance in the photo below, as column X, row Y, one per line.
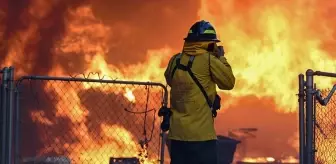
column 124, row 161
column 47, row 160
column 268, row 160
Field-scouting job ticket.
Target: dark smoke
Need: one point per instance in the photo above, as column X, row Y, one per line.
column 10, row 23
column 152, row 24
column 51, row 27
column 148, row 25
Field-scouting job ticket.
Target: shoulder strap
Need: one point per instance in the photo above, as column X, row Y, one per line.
column 178, row 60
column 188, row 69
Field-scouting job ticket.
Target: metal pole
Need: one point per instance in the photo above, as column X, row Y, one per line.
column 4, row 112
column 309, row 114
column 301, row 119
column 17, row 127
column 327, row 74
column 163, row 134
column 10, row 114
column 163, row 144
column 314, row 123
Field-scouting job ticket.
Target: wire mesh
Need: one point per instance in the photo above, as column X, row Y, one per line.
column 89, row 122
column 325, row 131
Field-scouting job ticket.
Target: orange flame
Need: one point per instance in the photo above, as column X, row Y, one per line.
column 129, row 95
column 39, row 117
column 114, row 139
column 268, row 44
column 259, row 159
column 269, row 160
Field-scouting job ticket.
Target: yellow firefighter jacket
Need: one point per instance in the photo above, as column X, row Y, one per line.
column 192, row 117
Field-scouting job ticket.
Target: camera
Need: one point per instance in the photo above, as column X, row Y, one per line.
column 165, row 113
column 221, row 51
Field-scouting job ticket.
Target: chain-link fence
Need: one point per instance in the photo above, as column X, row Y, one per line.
column 87, row 121
column 317, row 120
column 325, row 131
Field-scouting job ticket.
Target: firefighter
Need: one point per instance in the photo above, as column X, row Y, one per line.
column 193, row 75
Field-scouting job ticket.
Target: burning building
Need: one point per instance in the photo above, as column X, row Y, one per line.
column 267, row 42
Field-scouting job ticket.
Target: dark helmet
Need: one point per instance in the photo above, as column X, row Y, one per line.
column 202, row 31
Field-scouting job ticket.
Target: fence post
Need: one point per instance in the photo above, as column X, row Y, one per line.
column 302, row 119
column 309, row 115
column 10, row 113
column 164, row 134
column 163, row 145
column 314, row 124
column 4, row 114
column 17, row 127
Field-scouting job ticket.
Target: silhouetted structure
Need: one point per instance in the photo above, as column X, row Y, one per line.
column 124, row 161
column 226, row 149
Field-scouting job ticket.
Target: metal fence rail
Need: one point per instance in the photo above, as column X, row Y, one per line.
column 317, row 120
column 88, row 121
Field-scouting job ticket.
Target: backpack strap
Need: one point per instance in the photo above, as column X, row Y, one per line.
column 188, row 69
column 178, row 62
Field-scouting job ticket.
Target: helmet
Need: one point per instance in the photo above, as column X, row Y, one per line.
column 201, row 31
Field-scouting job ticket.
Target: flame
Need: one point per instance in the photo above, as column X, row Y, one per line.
column 129, row 95
column 274, row 40
column 39, row 116
column 114, row 139
column 36, row 11
column 269, row 43
column 289, row 159
column 258, row 159
column 96, row 66
column 95, row 52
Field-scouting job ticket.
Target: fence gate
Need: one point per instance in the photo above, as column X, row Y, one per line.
column 88, row 121
column 317, row 115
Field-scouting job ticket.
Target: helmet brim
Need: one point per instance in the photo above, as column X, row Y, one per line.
column 201, row 40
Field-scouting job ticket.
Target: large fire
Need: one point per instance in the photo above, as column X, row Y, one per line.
column 114, row 139
column 268, row 43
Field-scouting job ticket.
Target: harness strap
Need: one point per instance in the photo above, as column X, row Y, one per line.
column 188, row 69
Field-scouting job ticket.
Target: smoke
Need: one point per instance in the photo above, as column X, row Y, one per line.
column 32, row 29
column 144, row 25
